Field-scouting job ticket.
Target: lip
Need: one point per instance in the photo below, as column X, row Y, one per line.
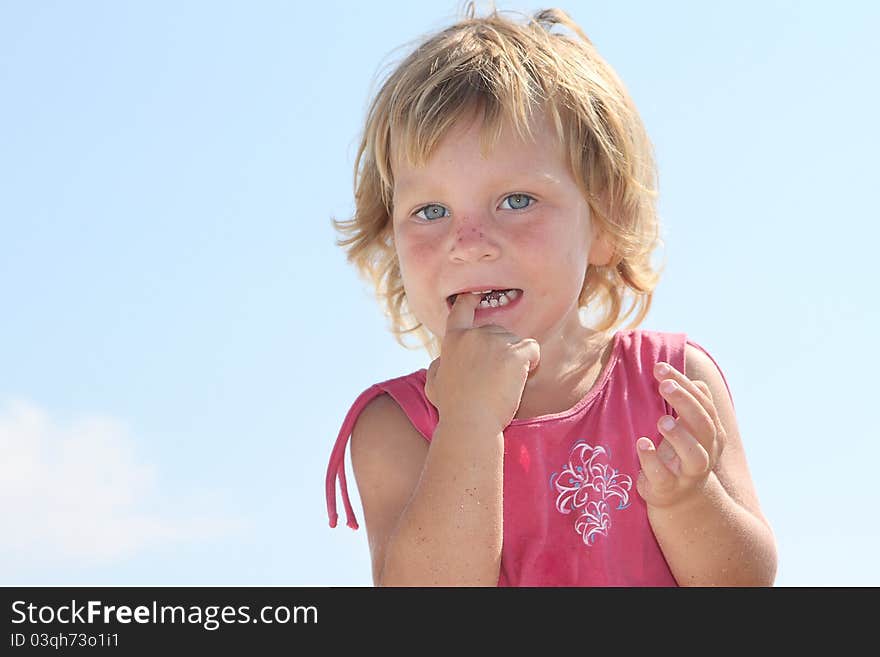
column 480, row 288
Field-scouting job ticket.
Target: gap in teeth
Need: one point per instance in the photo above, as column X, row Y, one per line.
column 501, row 298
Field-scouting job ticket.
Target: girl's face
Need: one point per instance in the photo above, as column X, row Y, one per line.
column 514, row 220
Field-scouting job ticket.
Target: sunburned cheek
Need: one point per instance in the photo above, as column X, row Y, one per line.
column 415, row 272
column 539, row 235
column 410, row 243
column 415, row 259
column 421, row 250
column 405, row 253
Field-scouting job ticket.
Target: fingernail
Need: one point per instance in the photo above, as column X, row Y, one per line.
column 667, row 423
column 663, row 369
column 668, row 386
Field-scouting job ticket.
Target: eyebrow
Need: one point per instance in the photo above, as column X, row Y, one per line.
column 529, row 177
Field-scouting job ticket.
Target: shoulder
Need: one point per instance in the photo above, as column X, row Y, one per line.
column 700, row 366
column 697, row 364
column 381, row 425
column 387, row 452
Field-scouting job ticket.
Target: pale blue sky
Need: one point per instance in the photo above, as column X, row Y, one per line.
column 182, row 338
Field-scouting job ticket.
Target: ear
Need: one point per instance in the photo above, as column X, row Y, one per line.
column 601, row 250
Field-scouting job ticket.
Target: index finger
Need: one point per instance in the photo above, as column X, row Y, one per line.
column 703, row 413
column 462, row 314
column 682, row 380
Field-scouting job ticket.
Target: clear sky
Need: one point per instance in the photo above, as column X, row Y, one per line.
column 181, row 338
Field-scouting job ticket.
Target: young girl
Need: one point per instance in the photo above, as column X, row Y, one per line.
column 503, row 185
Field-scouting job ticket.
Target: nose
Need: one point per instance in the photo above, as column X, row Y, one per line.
column 472, row 241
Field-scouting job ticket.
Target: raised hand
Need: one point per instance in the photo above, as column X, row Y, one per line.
column 480, row 374
column 678, row 468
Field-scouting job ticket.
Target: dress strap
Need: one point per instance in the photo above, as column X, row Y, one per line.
column 409, row 393
column 336, row 467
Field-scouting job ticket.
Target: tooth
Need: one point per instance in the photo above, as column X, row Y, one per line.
column 502, row 300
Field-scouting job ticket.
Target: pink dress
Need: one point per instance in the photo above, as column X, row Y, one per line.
column 572, row 514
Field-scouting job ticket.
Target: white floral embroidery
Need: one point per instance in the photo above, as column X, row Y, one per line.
column 588, row 485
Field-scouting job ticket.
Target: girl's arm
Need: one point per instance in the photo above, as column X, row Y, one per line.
column 433, row 514
column 708, row 521
column 714, row 541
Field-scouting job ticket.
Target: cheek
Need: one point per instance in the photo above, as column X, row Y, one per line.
column 415, row 255
column 420, row 250
column 412, row 259
column 575, row 255
column 534, row 237
column 555, row 253
column 548, row 241
column 415, row 258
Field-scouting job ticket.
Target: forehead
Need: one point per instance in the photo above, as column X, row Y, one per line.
column 472, row 140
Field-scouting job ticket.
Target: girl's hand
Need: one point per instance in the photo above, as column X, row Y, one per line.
column 678, row 468
column 479, row 378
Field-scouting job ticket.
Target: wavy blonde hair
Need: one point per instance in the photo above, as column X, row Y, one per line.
column 507, row 70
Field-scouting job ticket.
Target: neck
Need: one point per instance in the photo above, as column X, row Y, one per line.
column 571, row 361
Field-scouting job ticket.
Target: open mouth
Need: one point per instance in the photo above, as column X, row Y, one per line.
column 492, row 298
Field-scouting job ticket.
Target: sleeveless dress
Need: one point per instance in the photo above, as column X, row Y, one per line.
column 572, row 514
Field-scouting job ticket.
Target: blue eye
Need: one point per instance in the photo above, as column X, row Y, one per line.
column 517, row 202
column 431, row 212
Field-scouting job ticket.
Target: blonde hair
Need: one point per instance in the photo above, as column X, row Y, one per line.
column 507, row 70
